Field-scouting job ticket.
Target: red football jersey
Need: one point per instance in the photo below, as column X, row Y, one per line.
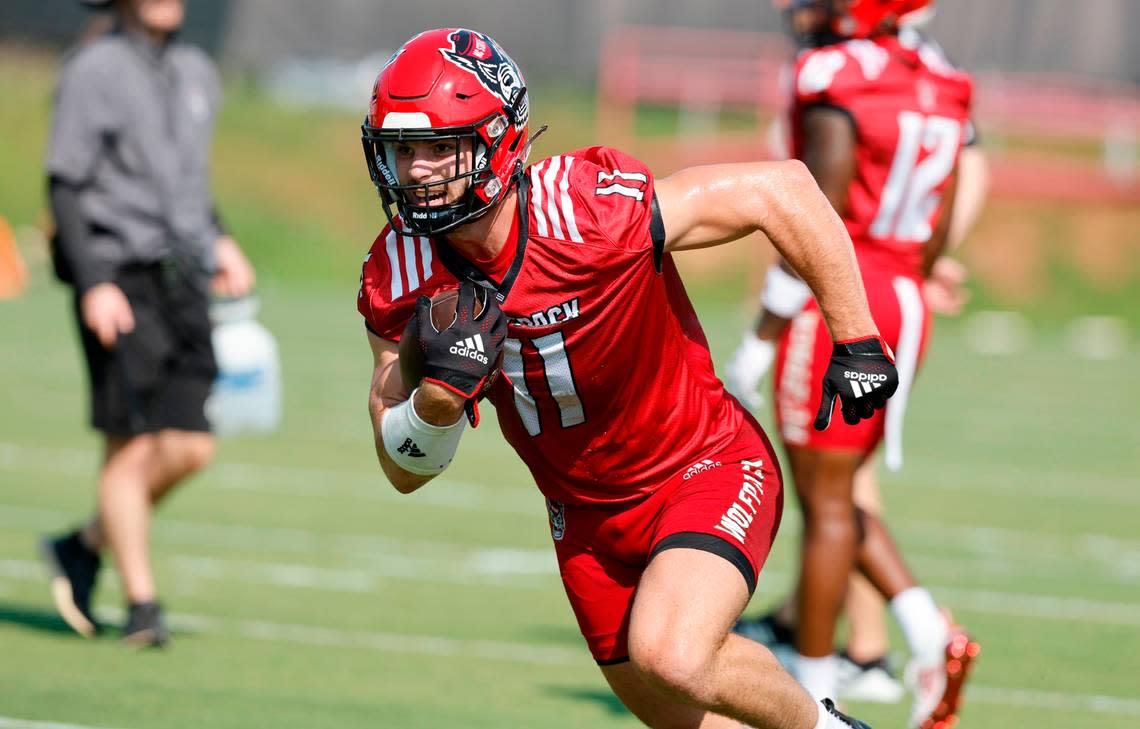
column 910, row 109
column 609, row 386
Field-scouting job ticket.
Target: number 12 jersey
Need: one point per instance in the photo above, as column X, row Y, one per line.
column 910, row 111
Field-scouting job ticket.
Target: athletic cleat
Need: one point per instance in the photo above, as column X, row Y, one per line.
column 871, row 681
column 766, row 630
column 145, row 627
column 772, row 634
column 74, row 570
column 938, row 686
column 849, row 721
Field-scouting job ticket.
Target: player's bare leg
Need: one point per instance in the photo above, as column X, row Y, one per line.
column 867, row 637
column 681, row 648
column 865, row 672
column 940, row 653
column 824, row 482
column 656, row 710
column 879, row 559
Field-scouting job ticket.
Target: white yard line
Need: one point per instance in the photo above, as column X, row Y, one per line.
column 1094, row 703
column 1000, row 552
column 8, row 722
column 368, row 485
column 294, row 481
column 523, row 569
column 1119, row 557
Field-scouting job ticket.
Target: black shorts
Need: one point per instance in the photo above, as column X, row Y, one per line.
column 159, row 375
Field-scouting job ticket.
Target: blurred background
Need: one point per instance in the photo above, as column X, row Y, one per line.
column 306, row 592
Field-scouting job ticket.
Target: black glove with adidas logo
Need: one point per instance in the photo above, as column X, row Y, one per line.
column 465, row 356
column 862, row 374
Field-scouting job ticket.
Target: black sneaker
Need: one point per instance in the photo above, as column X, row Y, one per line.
column 145, row 627
column 74, row 569
column 853, row 723
column 766, row 630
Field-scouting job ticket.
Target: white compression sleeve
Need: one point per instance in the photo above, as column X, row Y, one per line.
column 416, row 446
column 784, row 295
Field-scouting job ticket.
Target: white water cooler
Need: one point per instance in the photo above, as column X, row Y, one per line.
column 246, row 396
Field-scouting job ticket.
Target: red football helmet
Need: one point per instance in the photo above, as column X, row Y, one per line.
column 449, row 83
column 864, row 17
column 821, row 22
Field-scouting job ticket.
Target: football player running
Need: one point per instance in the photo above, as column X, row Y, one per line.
column 664, row 495
column 879, row 117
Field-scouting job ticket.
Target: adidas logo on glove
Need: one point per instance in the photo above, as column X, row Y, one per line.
column 868, row 381
column 864, row 377
column 471, row 347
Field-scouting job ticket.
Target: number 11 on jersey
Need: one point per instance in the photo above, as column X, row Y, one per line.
column 551, row 350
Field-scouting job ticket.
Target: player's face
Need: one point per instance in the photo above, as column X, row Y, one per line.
column 160, row 16
column 430, row 162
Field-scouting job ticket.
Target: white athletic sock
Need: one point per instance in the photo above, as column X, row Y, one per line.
column 827, row 720
column 820, row 676
column 921, row 623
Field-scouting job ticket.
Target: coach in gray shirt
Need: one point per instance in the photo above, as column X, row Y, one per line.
column 139, row 238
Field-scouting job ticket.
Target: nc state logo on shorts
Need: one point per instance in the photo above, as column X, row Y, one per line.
column 557, row 512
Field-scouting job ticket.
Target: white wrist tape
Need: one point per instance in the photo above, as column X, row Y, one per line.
column 416, row 446
column 784, row 294
column 760, row 353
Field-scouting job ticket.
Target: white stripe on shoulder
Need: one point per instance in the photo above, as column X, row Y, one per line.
column 425, row 257
column 410, row 263
column 551, row 198
column 536, row 198
column 568, row 203
column 394, row 265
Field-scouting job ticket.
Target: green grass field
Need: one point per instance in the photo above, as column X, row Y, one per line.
column 305, row 592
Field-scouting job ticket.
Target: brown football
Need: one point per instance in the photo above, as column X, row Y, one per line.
column 442, row 316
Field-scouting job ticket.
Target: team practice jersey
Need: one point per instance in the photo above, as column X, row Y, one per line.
column 910, row 109
column 609, row 386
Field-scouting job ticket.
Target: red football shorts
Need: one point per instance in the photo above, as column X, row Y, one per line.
column 805, row 348
column 727, row 503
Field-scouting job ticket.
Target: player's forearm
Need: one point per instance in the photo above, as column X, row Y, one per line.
column 971, row 189
column 415, row 438
column 940, row 242
column 403, row 481
column 808, row 233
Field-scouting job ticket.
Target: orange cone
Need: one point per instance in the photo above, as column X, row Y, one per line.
column 13, row 272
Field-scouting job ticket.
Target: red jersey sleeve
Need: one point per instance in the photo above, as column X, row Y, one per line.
column 830, row 75
column 612, row 191
column 396, row 271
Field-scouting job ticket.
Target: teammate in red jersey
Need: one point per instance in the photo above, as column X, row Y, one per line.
column 663, row 493
column 879, row 120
